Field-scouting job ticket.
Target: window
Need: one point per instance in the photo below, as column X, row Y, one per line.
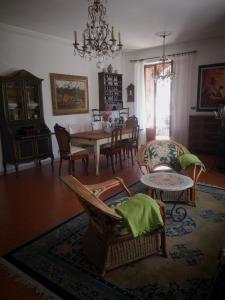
column 158, row 98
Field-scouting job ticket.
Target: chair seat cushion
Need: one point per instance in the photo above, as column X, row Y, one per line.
column 76, row 150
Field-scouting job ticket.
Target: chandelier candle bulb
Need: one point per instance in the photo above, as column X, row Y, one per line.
column 84, row 40
column 75, row 37
column 113, row 38
column 119, row 38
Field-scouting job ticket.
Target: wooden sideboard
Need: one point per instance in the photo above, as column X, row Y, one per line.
column 204, row 134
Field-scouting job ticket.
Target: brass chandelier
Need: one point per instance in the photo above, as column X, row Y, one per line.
column 165, row 74
column 98, row 38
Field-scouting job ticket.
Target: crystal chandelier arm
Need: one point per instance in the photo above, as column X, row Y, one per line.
column 98, row 39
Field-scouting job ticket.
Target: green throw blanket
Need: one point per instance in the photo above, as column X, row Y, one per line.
column 141, row 213
column 188, row 159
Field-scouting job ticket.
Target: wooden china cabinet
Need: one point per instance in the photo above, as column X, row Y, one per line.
column 24, row 134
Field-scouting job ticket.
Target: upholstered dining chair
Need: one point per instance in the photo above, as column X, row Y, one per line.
column 75, row 128
column 114, row 148
column 108, row 243
column 69, row 152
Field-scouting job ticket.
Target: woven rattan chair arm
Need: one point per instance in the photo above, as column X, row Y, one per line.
column 85, row 195
column 194, row 172
column 107, row 185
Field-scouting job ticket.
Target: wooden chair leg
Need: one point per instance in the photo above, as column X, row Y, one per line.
column 4, row 166
column 86, row 165
column 124, row 150
column 73, row 167
column 163, row 233
column 16, row 167
column 120, row 157
column 60, row 166
column 132, row 158
column 128, row 154
column 69, row 167
column 112, row 163
column 52, row 161
column 192, row 196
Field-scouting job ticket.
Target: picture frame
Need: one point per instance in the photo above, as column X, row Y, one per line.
column 211, row 87
column 130, row 93
column 69, row 94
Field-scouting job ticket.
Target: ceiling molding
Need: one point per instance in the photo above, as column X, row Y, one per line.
column 35, row 34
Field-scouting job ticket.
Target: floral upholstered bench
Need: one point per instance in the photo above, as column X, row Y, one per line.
column 167, row 153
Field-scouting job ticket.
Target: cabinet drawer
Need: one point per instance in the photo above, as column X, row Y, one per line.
column 43, row 146
column 203, row 134
column 26, row 149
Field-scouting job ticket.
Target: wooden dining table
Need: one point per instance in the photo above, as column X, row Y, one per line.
column 97, row 138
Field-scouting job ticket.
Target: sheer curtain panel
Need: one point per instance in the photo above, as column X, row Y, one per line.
column 182, row 94
column 139, row 104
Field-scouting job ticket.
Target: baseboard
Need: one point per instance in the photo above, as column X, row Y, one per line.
column 25, row 166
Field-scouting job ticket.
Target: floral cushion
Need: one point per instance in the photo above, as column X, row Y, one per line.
column 162, row 153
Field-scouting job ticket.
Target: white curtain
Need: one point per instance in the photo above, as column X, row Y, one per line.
column 139, row 104
column 182, row 94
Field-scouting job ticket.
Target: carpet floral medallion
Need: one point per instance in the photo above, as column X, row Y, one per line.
column 56, row 259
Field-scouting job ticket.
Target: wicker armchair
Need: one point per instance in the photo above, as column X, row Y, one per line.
column 165, row 153
column 106, row 244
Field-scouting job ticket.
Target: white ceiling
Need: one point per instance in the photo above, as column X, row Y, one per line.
column 137, row 20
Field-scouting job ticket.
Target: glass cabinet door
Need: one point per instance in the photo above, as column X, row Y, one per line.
column 32, row 101
column 14, row 100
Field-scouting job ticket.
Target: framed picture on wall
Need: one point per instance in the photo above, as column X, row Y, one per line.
column 211, row 87
column 130, row 93
column 69, row 94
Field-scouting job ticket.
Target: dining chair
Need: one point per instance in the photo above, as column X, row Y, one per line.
column 131, row 121
column 131, row 144
column 114, row 148
column 68, row 151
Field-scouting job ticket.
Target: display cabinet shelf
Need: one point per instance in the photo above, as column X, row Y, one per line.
column 110, row 91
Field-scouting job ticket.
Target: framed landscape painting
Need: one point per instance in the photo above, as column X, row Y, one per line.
column 69, row 94
column 211, row 87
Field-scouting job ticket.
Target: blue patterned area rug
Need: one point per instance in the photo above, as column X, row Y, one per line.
column 56, row 261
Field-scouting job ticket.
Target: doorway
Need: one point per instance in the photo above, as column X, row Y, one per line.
column 158, row 101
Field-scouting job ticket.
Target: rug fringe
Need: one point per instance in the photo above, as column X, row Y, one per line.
column 19, row 276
